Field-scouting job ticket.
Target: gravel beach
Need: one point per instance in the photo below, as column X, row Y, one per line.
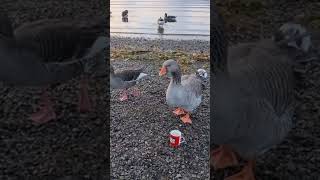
column 140, row 127
column 74, row 146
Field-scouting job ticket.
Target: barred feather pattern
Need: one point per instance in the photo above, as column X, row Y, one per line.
column 258, row 112
column 55, row 39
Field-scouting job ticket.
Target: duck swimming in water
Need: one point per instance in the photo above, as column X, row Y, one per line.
column 169, row 18
column 160, row 21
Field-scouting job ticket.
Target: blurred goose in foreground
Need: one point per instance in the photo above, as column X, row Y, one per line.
column 124, row 80
column 58, row 40
column 184, row 92
column 160, row 21
column 125, row 14
column 254, row 98
column 169, row 18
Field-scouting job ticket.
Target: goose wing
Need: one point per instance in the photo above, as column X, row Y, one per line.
column 129, row 75
column 259, row 101
column 118, row 83
column 58, row 39
column 192, row 84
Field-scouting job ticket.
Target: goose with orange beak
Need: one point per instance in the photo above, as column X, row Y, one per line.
column 184, row 92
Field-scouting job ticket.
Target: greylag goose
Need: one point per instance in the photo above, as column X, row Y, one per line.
column 124, row 80
column 184, row 92
column 160, row 21
column 125, row 14
column 254, row 98
column 56, row 40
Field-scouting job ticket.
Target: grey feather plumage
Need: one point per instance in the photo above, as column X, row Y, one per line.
column 21, row 65
column 254, row 103
column 183, row 91
column 124, row 79
column 58, row 39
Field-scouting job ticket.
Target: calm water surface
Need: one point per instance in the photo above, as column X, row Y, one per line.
column 193, row 18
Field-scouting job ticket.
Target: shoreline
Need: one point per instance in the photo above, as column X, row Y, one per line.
column 164, row 45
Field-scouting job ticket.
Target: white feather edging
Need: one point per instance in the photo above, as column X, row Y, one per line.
column 141, row 75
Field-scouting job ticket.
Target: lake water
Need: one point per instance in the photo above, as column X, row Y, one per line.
column 192, row 22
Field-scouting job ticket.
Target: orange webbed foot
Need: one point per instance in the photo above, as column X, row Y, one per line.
column 245, row 174
column 186, row 119
column 223, row 157
column 179, row 111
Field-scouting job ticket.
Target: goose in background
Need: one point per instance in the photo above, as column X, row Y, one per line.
column 254, row 98
column 184, row 92
column 125, row 14
column 169, row 18
column 160, row 22
column 62, row 40
column 124, row 80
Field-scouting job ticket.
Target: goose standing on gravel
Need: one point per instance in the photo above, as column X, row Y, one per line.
column 57, row 40
column 124, row 80
column 254, row 98
column 125, row 14
column 160, row 21
column 184, row 92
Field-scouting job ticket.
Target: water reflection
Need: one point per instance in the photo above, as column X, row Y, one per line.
column 192, row 17
column 125, row 19
column 160, row 30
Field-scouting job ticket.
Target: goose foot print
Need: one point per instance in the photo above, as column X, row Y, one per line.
column 84, row 100
column 186, row 119
column 124, row 96
column 245, row 174
column 136, row 92
column 179, row 111
column 223, row 157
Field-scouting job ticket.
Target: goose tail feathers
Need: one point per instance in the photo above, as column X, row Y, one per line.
column 142, row 75
column 202, row 74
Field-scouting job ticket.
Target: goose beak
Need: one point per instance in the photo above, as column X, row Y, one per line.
column 163, row 71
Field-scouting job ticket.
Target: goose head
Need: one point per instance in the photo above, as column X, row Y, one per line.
column 293, row 36
column 170, row 67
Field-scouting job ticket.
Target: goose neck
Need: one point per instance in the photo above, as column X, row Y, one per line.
column 176, row 77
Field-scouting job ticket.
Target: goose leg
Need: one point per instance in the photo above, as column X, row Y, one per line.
column 84, row 100
column 179, row 111
column 46, row 112
column 186, row 118
column 223, row 157
column 136, row 92
column 124, row 95
column 245, row 174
